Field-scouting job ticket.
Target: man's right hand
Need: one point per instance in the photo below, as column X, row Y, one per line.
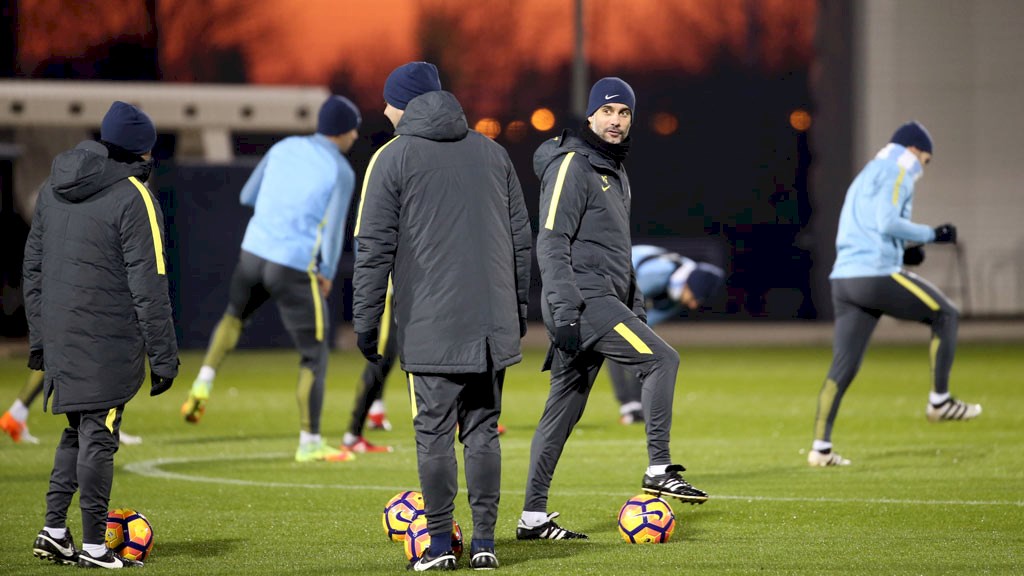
column 159, row 384
column 945, row 234
column 367, row 343
column 567, row 338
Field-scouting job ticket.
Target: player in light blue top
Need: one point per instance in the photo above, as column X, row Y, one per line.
column 868, row 281
column 670, row 283
column 301, row 191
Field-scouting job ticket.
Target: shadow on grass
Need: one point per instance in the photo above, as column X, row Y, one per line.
column 200, row 440
column 512, row 552
column 203, row 549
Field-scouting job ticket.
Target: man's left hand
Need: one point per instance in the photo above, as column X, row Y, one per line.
column 325, row 285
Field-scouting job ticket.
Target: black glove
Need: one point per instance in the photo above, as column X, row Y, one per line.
column 158, row 384
column 35, row 359
column 567, row 338
column 367, row 343
column 945, row 234
column 522, row 326
column 913, row 256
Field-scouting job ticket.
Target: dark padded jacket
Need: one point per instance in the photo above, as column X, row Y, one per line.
column 95, row 282
column 442, row 210
column 584, row 246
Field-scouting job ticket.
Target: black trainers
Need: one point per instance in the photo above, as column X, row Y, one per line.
column 547, row 531
column 61, row 551
column 444, row 561
column 483, row 559
column 110, row 560
column 672, row 484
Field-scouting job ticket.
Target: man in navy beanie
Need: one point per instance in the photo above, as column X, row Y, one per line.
column 300, row 193
column 869, row 281
column 405, row 83
column 93, row 325
column 442, row 214
column 128, row 128
column 592, row 307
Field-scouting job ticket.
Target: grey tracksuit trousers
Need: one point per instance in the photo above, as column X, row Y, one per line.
column 473, row 401
column 632, row 344
column 84, row 463
column 859, row 303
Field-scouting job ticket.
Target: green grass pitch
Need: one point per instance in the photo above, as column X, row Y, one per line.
column 226, row 497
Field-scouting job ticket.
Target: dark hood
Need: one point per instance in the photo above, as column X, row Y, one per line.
column 435, row 116
column 561, row 145
column 86, row 169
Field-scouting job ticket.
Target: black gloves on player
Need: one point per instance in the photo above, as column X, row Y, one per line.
column 945, row 234
column 913, row 255
column 158, row 384
column 367, row 343
column 567, row 338
column 35, row 359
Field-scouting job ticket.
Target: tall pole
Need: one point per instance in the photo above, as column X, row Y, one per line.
column 579, row 68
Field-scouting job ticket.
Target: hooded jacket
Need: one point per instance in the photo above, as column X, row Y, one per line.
column 442, row 211
column 584, row 246
column 95, row 282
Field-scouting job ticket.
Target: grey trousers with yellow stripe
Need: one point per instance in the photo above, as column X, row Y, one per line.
column 473, row 402
column 84, row 462
column 304, row 314
column 859, row 303
column 632, row 344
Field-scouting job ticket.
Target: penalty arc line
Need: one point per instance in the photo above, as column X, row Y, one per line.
column 154, row 469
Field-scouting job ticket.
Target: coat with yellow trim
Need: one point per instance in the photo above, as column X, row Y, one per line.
column 584, row 246
column 442, row 213
column 95, row 282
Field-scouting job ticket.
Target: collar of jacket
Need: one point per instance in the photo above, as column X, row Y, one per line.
column 903, row 157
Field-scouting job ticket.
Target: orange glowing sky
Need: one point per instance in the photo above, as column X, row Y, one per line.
column 483, row 45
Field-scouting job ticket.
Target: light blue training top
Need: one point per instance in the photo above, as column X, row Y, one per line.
column 301, row 191
column 875, row 220
column 661, row 275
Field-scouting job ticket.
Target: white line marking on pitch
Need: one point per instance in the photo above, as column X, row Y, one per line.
column 154, row 469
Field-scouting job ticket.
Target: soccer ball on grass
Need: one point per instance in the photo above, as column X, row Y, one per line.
column 417, row 539
column 129, row 534
column 646, row 519
column 399, row 512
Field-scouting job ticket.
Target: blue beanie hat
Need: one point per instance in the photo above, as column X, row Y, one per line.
column 409, row 81
column 337, row 116
column 705, row 280
column 913, row 134
column 126, row 126
column 610, row 90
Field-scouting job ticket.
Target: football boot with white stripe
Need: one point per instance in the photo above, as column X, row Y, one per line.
column 824, row 459
column 547, row 531
column 56, row 550
column 952, row 409
column 672, row 484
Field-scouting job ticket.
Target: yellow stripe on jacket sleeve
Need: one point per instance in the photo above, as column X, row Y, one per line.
column 559, row 182
column 366, row 181
column 896, row 187
column 916, row 290
column 158, row 242
column 632, row 338
column 385, row 320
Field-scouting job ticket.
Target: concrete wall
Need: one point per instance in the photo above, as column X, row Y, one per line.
column 957, row 66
